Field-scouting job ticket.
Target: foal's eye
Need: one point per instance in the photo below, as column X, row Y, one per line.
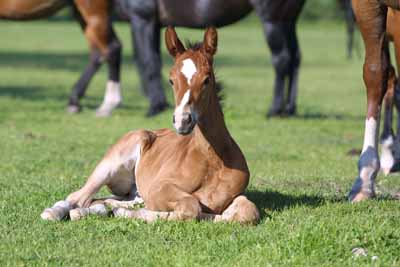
column 171, row 82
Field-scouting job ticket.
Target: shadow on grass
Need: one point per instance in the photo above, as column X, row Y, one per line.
column 322, row 116
column 34, row 93
column 62, row 61
column 276, row 201
column 76, row 61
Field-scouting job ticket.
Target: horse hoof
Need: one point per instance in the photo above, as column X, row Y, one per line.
column 290, row 111
column 73, row 109
column 103, row 113
column 360, row 197
column 75, row 214
column 274, row 113
column 48, row 215
column 156, row 109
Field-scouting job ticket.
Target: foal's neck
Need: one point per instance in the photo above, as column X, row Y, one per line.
column 211, row 130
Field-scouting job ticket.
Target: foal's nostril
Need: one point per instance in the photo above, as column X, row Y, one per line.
column 173, row 119
column 189, row 119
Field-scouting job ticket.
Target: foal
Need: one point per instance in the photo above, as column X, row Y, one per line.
column 198, row 172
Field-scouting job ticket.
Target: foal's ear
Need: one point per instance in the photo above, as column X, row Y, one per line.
column 210, row 41
column 174, row 45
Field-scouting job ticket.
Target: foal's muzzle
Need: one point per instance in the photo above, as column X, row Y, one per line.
column 184, row 123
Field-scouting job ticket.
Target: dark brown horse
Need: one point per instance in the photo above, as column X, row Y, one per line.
column 104, row 45
column 372, row 19
column 278, row 18
column 350, row 25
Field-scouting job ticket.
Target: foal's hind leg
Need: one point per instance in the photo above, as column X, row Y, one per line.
column 240, row 210
column 372, row 20
column 116, row 170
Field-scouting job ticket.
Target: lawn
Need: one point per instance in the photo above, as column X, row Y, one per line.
column 300, row 169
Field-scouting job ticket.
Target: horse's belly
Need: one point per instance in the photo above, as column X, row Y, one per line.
column 201, row 13
column 27, row 10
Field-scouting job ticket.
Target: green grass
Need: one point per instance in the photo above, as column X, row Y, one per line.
column 300, row 170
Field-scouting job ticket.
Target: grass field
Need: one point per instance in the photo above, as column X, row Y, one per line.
column 300, row 170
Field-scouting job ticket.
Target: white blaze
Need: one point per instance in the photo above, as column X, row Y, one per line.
column 179, row 109
column 188, row 69
column 370, row 135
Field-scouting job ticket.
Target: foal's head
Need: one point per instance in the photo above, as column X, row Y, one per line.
column 192, row 78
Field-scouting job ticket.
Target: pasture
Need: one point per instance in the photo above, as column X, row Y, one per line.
column 300, row 169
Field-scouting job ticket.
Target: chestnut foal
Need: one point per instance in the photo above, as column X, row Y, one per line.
column 372, row 19
column 197, row 173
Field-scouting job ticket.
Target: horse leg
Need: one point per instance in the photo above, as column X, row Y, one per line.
column 80, row 87
column 396, row 146
column 165, row 201
column 240, row 210
column 372, row 20
column 276, row 37
column 113, row 96
column 116, row 170
column 294, row 67
column 350, row 26
column 146, row 41
column 104, row 44
column 387, row 137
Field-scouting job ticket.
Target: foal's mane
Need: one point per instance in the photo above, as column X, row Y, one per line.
column 196, row 46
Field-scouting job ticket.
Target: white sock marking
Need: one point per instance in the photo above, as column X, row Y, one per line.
column 112, row 98
column 387, row 159
column 370, row 135
column 188, row 69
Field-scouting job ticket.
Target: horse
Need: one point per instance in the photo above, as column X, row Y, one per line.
column 104, row 45
column 374, row 23
column 390, row 141
column 350, row 25
column 278, row 18
column 195, row 172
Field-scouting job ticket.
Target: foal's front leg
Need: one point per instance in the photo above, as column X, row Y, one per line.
column 116, row 170
column 83, row 197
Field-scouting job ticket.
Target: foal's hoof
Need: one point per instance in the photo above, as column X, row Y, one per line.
column 73, row 109
column 49, row 215
column 157, row 109
column 122, row 213
column 76, row 214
